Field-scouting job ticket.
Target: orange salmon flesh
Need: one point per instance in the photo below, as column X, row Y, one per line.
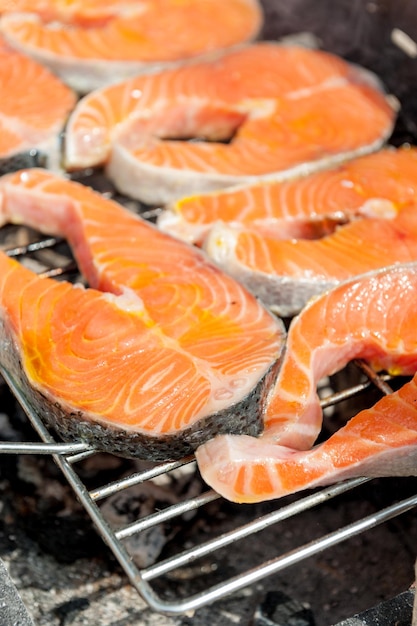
column 265, row 112
column 371, row 317
column 205, row 348
column 90, row 44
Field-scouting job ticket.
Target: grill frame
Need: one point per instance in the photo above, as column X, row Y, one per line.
column 372, row 45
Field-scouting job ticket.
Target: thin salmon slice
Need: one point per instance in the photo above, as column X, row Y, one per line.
column 189, row 303
column 370, row 317
column 309, row 207
column 285, row 274
column 259, row 111
column 34, row 106
column 91, row 44
column 377, row 442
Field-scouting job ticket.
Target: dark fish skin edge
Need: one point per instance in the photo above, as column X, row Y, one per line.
column 22, row 160
column 284, row 295
column 244, row 417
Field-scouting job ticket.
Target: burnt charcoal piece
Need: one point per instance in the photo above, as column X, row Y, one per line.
column 66, row 538
column 65, row 610
column 279, row 610
column 396, row 611
column 12, row 609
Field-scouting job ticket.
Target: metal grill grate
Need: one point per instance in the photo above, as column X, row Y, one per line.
column 69, row 458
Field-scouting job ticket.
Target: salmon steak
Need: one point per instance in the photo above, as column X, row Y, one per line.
column 207, row 350
column 90, row 44
column 253, row 114
column 371, row 317
column 309, row 207
column 34, row 106
column 285, row 274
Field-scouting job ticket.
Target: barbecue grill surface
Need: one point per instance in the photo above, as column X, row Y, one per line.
column 47, row 539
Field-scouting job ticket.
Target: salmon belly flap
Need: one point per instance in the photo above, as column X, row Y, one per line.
column 370, row 317
column 161, row 352
column 265, row 111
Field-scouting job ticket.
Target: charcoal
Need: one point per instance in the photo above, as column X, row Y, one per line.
column 397, row 610
column 278, row 609
column 12, row 609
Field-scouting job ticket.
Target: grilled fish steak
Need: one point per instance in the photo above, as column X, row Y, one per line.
column 206, row 350
column 285, row 274
column 258, row 110
column 370, row 317
column 90, row 44
column 375, row 185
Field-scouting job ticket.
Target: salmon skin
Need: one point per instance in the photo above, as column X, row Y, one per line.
column 183, row 351
column 370, row 317
column 285, row 274
column 23, row 160
column 309, row 207
column 258, row 110
column 91, row 44
column 34, row 106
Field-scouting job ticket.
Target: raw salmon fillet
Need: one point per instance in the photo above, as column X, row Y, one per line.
column 308, row 207
column 91, row 44
column 34, row 106
column 259, row 110
column 370, row 317
column 214, row 349
column 285, row 274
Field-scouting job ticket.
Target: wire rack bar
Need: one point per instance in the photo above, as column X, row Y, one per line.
column 15, row 447
column 66, row 456
column 305, row 503
column 137, row 478
column 304, row 552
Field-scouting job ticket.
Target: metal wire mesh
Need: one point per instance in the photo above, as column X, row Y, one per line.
column 69, row 458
